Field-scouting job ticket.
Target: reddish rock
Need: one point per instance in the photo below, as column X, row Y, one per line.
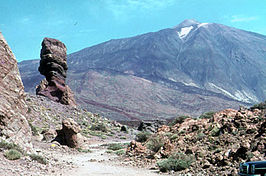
column 13, row 123
column 164, row 129
column 167, row 148
column 218, row 144
column 69, row 134
column 53, row 65
column 136, row 148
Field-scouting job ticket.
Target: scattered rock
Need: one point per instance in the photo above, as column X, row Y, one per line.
column 217, row 144
column 53, row 65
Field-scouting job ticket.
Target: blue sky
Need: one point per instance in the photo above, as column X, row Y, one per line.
column 83, row 23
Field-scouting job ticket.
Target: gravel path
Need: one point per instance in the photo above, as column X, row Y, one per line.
column 100, row 163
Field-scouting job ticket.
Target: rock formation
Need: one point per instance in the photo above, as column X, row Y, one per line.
column 69, row 134
column 13, row 124
column 53, row 65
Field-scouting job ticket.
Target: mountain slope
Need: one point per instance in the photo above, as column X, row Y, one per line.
column 211, row 56
column 189, row 69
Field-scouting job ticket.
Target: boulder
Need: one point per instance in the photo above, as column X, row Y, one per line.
column 150, row 126
column 69, row 134
column 13, row 124
column 53, row 65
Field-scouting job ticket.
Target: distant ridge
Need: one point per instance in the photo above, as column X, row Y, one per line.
column 185, row 70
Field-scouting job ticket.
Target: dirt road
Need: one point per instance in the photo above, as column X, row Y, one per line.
column 98, row 162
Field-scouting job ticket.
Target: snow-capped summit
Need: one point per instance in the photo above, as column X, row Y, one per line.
column 203, row 24
column 184, row 31
column 187, row 27
column 188, row 22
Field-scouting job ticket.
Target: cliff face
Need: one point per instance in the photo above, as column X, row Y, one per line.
column 13, row 123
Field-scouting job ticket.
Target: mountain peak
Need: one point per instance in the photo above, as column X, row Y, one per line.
column 188, row 22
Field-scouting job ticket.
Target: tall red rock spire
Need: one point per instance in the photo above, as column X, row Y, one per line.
column 53, row 65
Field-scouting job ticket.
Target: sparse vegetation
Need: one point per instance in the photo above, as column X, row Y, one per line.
column 175, row 162
column 104, row 137
column 38, row 158
column 155, row 143
column 120, row 152
column 96, row 133
column 34, row 129
column 178, row 120
column 115, row 146
column 109, row 151
column 9, row 146
column 109, row 134
column 215, row 131
column 143, row 136
column 207, row 115
column 99, row 127
column 13, row 154
column 84, row 150
column 29, row 110
column 123, row 137
column 168, row 134
column 200, row 136
column 173, row 137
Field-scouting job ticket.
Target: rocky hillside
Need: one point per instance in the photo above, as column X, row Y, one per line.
column 13, row 124
column 50, row 154
column 46, row 116
column 175, row 71
column 213, row 144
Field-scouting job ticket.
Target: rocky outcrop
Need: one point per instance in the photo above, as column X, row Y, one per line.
column 53, row 65
column 217, row 143
column 13, row 124
column 150, row 126
column 69, row 134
